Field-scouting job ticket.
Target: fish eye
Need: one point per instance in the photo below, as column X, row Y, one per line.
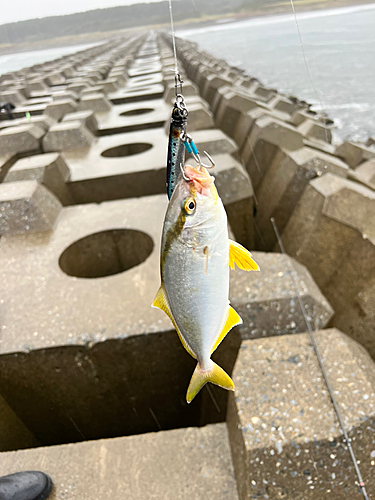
column 189, row 205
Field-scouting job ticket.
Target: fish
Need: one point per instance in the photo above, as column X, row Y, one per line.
column 176, row 147
column 196, row 254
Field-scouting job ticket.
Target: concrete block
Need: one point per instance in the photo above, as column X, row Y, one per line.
column 58, row 109
column 94, row 102
column 268, row 303
column 189, row 88
column 282, row 186
column 137, row 94
column 212, row 83
column 6, row 162
column 134, row 116
column 12, row 96
column 285, row 438
column 110, row 85
column 214, row 141
column 332, row 232
column 284, row 104
column 67, row 135
column 315, row 130
column 42, row 121
column 54, row 79
column 235, row 190
column 365, row 174
column 262, row 93
column 77, row 87
column 47, row 169
column 231, row 106
column 133, row 465
column 87, row 118
column 107, row 256
column 98, row 89
column 21, row 139
column 200, row 118
column 245, row 123
column 27, row 207
column 351, row 153
column 64, row 95
column 268, row 135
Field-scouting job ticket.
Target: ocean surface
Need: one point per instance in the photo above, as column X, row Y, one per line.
column 339, row 45
column 15, row 62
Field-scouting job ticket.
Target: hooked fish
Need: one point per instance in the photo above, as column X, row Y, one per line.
column 196, row 254
column 176, row 147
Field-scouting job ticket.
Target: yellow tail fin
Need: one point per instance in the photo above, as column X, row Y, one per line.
column 200, row 378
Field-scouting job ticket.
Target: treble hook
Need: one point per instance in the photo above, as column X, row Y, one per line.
column 183, row 173
column 197, row 158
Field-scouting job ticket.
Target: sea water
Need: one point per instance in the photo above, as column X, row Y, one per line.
column 340, row 51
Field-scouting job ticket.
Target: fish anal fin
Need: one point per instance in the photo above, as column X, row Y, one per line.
column 215, row 375
column 161, row 302
column 242, row 258
column 233, row 319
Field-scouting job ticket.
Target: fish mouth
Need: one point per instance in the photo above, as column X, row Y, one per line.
column 201, row 180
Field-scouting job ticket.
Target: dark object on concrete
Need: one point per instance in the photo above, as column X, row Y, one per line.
column 30, row 485
column 8, row 107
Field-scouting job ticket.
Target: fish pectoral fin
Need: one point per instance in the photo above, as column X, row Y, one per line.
column 241, row 257
column 215, row 375
column 161, row 302
column 233, row 319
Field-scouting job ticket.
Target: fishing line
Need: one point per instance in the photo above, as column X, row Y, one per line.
column 176, row 73
column 306, row 65
column 347, row 440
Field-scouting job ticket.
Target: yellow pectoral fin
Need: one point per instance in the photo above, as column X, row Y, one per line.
column 215, row 375
column 241, row 257
column 233, row 319
column 161, row 302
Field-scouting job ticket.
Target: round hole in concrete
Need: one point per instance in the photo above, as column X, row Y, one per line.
column 126, row 150
column 134, row 112
column 106, row 253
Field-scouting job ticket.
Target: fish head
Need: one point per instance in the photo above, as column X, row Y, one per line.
column 195, row 207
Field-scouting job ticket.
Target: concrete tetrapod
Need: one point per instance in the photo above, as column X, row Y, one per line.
column 48, row 169
column 283, row 184
column 332, row 232
column 285, row 436
column 80, row 338
column 192, row 463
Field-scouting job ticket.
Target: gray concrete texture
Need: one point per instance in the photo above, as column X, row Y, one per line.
column 283, row 184
column 47, row 169
column 332, row 232
column 67, row 135
column 27, row 207
column 182, row 464
column 22, row 139
column 61, row 344
column 285, row 436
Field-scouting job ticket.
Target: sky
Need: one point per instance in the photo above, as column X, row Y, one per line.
column 19, row 10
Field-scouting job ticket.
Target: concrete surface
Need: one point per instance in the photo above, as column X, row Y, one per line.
column 48, row 169
column 284, row 433
column 183, row 464
column 27, row 206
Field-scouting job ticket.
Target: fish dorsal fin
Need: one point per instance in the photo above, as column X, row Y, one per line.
column 241, row 257
column 161, row 302
column 233, row 319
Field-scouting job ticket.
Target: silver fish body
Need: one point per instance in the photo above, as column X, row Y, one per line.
column 196, row 254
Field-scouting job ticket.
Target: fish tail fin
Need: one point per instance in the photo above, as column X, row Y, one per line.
column 215, row 375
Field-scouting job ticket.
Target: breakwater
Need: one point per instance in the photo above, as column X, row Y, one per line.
column 83, row 357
